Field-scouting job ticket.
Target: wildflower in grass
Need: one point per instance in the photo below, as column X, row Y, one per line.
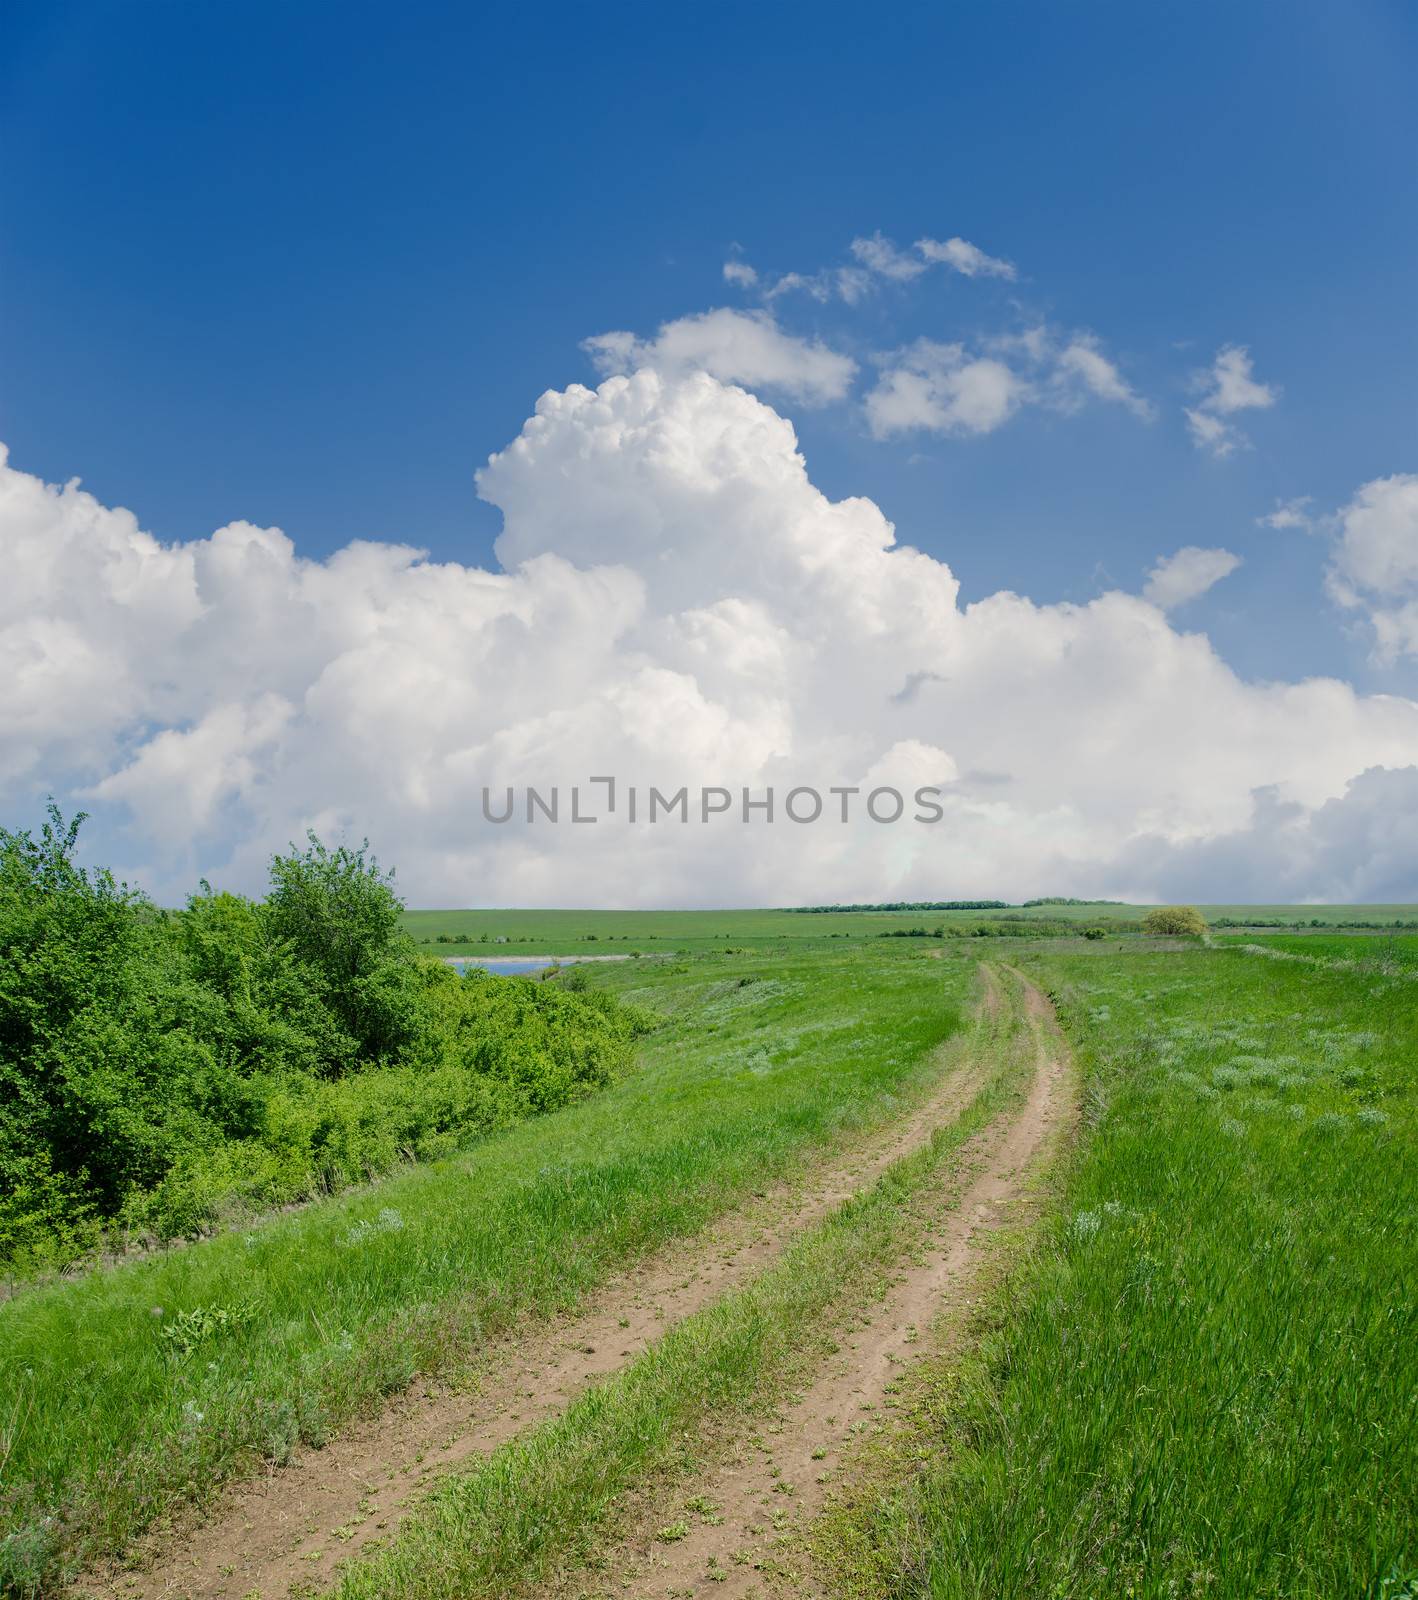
column 1329, row 1123
column 388, row 1221
column 1372, row 1117
column 1232, row 1128
column 1085, row 1225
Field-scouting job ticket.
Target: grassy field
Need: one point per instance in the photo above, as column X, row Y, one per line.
column 1207, row 1382
column 286, row 1331
column 658, row 932
column 1198, row 1379
column 1398, row 951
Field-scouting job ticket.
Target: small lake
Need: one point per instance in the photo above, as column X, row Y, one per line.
column 520, row 966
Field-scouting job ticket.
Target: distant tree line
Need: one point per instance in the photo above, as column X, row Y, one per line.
column 1068, row 900
column 911, row 905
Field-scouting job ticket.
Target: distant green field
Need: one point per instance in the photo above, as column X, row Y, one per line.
column 1377, row 949
column 1383, row 916
column 652, row 932
column 620, row 932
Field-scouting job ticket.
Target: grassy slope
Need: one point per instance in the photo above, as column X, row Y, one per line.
column 655, row 932
column 103, row 1424
column 1208, row 1381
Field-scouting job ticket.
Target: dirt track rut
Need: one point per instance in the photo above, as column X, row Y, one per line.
column 744, row 1539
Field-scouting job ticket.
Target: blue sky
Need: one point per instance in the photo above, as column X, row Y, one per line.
column 309, row 264
column 1077, row 296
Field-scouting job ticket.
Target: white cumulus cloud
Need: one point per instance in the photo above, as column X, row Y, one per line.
column 1375, row 565
column 880, row 256
column 1227, row 387
column 1361, row 847
column 678, row 604
column 1293, row 513
column 1186, row 575
column 745, row 347
column 949, row 388
column 963, row 257
column 876, row 258
column 939, row 388
column 1082, row 362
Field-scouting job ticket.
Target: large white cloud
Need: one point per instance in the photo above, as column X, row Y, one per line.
column 1361, row 847
column 1375, row 563
column 679, row 605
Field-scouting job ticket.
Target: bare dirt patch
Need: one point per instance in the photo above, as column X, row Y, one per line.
column 290, row 1527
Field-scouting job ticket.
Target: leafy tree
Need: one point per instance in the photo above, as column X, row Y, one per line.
column 1182, row 921
column 338, row 914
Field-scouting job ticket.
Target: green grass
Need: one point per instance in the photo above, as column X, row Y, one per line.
column 287, row 1331
column 1378, row 916
column 1202, row 1382
column 492, row 933
column 539, row 1501
column 1206, row 1382
column 1378, row 951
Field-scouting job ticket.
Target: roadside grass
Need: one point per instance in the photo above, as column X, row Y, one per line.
column 1205, row 1382
column 543, row 1501
column 128, row 1391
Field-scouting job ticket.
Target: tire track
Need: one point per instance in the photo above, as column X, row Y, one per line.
column 290, row 1527
column 748, row 1515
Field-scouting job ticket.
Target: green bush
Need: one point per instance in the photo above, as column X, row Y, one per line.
column 160, row 1068
column 1178, row 921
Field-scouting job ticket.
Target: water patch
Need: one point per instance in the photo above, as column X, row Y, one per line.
column 520, row 966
